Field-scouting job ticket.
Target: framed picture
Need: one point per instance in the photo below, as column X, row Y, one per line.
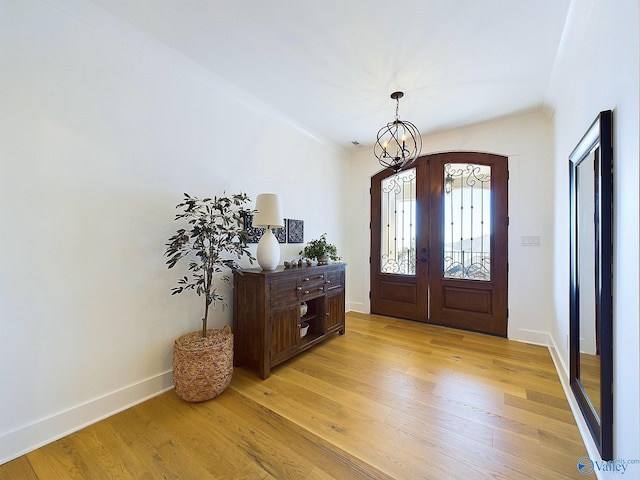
column 281, row 233
column 295, row 231
column 255, row 233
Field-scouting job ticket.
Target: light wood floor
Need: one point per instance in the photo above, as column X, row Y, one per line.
column 390, row 399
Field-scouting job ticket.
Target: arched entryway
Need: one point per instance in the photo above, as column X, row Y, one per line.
column 439, row 234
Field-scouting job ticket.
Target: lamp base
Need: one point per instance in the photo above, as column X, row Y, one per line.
column 268, row 253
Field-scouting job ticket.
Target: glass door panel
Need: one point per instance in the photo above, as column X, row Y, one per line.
column 398, row 223
column 467, row 221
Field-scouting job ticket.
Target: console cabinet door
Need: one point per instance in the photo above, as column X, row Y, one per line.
column 284, row 333
column 334, row 309
column 334, row 300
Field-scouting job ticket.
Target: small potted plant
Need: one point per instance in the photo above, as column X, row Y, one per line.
column 214, row 241
column 319, row 249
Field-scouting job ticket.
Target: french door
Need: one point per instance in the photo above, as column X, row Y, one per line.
column 439, row 241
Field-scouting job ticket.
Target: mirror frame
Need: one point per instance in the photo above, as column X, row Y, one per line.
column 598, row 138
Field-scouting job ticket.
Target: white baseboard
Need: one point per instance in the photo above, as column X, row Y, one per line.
column 29, row 437
column 530, row 336
column 357, row 307
column 592, row 449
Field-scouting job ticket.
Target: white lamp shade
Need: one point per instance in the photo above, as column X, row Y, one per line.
column 269, row 211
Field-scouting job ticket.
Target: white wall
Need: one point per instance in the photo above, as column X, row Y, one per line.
column 528, row 143
column 101, row 130
column 598, row 70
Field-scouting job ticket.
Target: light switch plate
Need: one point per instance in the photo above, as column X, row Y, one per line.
column 530, row 240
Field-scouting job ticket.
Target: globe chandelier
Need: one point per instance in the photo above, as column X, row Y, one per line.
column 398, row 143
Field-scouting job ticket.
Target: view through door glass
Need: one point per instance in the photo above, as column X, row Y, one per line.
column 467, row 221
column 439, row 241
column 398, row 233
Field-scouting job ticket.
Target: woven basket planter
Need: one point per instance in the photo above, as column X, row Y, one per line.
column 202, row 367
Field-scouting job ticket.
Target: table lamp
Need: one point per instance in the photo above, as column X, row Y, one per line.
column 268, row 216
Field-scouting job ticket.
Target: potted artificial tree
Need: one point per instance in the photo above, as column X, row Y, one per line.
column 213, row 240
column 321, row 250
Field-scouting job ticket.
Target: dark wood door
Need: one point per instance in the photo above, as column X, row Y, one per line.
column 399, row 280
column 452, row 268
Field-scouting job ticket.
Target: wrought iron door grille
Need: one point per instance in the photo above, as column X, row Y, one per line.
column 398, row 232
column 467, row 221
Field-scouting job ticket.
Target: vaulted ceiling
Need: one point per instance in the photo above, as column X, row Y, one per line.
column 330, row 65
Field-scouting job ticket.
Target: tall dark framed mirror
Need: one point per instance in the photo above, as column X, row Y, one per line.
column 591, row 332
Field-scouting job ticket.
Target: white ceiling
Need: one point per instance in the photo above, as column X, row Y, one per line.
column 330, row 65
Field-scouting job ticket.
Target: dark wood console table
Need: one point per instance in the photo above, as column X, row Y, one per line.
column 267, row 312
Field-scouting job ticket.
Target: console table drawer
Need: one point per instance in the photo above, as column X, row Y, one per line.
column 311, row 281
column 284, row 292
column 335, row 279
column 313, row 291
